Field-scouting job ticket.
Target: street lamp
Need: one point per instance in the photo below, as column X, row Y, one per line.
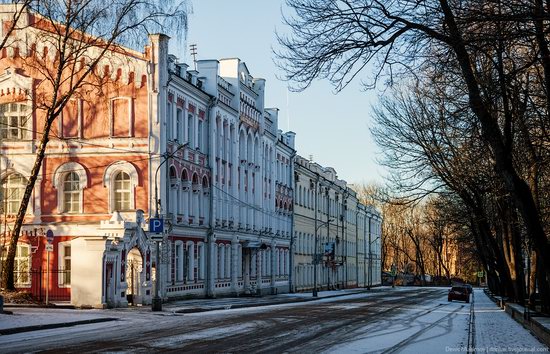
column 316, row 256
column 156, row 304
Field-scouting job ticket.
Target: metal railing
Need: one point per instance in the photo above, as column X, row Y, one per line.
column 39, row 281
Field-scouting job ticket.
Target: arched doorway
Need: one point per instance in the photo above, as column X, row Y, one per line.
column 134, row 270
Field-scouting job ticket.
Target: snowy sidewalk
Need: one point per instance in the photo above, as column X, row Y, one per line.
column 497, row 332
column 35, row 318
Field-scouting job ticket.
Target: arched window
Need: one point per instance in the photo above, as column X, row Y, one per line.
column 122, row 192
column 71, row 193
column 173, row 177
column 11, row 193
column 121, row 178
column 70, row 179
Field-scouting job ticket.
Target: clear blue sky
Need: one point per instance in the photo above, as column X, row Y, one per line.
column 334, row 128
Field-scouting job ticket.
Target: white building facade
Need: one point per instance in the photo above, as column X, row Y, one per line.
column 229, row 196
column 337, row 240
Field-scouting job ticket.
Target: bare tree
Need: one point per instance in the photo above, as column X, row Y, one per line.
column 480, row 41
column 10, row 20
column 78, row 35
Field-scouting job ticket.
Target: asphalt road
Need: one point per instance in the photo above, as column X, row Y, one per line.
column 386, row 322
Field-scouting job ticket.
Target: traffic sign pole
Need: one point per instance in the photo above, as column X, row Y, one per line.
column 49, row 248
column 156, row 233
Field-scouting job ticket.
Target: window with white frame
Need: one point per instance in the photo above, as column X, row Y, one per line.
column 14, row 121
column 70, row 179
column 121, row 178
column 122, row 192
column 71, row 193
column 200, row 137
column 179, row 125
column 22, row 264
column 190, row 130
column 169, row 123
column 11, row 193
column 64, row 265
column 179, row 261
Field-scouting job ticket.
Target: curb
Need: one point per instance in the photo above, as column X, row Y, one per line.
column 15, row 330
column 50, row 306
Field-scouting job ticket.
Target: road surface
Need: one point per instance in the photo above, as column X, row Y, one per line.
column 417, row 320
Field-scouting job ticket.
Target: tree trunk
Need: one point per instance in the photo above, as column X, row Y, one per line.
column 491, row 133
column 8, row 281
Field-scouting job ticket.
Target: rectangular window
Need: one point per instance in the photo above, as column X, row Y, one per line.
column 190, row 130
column 12, row 190
column 64, row 270
column 169, row 123
column 22, row 270
column 179, row 262
column 14, row 121
column 200, row 139
column 179, row 125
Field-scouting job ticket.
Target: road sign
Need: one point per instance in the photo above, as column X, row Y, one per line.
column 317, row 258
column 480, row 274
column 156, row 225
column 49, row 247
column 49, row 236
column 393, row 270
column 329, row 249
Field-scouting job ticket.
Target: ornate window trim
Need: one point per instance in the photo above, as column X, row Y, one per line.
column 109, row 177
column 59, row 177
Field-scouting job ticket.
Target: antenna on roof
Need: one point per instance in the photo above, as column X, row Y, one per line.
column 311, row 158
column 193, row 48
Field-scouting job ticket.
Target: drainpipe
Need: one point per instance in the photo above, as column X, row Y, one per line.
column 327, row 194
column 210, row 293
column 357, row 244
column 316, row 241
column 291, row 250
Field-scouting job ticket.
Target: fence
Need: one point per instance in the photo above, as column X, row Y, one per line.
column 35, row 282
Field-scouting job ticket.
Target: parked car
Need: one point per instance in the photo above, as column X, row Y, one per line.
column 459, row 293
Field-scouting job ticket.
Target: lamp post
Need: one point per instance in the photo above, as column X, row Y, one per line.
column 156, row 304
column 316, row 256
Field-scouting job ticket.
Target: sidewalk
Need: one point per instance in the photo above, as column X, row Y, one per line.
column 25, row 319
column 496, row 331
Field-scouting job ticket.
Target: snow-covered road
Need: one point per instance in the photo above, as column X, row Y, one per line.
column 405, row 320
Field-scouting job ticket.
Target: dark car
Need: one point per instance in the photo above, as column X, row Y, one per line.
column 459, row 293
column 469, row 287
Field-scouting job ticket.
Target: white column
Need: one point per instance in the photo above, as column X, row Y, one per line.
column 235, row 264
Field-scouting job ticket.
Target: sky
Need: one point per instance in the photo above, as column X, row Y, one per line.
column 333, row 128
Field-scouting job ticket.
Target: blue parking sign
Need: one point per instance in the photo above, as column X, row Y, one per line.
column 156, row 225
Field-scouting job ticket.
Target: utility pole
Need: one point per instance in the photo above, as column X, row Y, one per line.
column 156, row 304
